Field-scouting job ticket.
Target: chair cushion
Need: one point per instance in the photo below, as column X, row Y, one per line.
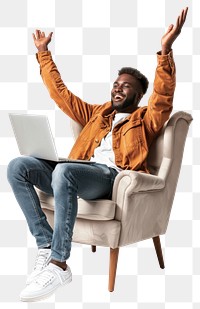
column 96, row 209
column 102, row 210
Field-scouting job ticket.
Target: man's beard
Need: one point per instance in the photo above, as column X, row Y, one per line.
column 127, row 104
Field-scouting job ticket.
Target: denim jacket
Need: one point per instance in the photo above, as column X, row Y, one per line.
column 131, row 137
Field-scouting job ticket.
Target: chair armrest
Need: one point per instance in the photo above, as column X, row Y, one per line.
column 136, row 182
column 140, row 206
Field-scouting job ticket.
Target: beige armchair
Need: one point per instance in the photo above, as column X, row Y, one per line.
column 141, row 203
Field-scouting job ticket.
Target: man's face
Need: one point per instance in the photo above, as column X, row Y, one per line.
column 126, row 93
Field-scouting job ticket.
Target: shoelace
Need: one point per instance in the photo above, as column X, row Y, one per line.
column 45, row 277
column 41, row 259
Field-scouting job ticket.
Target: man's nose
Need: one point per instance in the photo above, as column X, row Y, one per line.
column 118, row 88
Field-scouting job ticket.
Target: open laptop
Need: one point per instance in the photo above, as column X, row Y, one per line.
column 34, row 137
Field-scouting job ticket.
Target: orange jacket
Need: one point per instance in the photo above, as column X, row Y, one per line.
column 131, row 137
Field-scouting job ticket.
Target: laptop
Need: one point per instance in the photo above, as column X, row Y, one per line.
column 34, row 137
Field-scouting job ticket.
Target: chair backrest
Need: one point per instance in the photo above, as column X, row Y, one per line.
column 167, row 149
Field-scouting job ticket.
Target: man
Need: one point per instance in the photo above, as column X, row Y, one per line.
column 116, row 136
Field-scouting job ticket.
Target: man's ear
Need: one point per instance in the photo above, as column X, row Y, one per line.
column 140, row 95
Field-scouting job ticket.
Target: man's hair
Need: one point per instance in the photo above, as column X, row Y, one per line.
column 138, row 75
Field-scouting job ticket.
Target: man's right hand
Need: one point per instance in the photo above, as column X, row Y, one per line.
column 41, row 41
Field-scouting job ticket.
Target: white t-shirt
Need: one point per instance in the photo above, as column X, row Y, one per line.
column 104, row 154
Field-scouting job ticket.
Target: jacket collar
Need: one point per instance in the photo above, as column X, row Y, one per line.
column 108, row 112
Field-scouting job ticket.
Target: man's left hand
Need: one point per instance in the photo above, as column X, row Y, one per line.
column 173, row 32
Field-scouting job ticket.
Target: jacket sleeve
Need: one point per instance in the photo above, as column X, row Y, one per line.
column 70, row 104
column 160, row 102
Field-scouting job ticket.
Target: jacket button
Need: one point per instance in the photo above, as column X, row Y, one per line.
column 96, row 140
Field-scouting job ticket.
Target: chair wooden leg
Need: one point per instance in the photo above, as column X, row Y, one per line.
column 93, row 248
column 157, row 245
column 113, row 268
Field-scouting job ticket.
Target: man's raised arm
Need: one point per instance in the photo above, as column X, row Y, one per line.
column 161, row 101
column 69, row 103
column 173, row 32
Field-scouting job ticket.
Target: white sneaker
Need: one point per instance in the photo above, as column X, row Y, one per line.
column 46, row 283
column 42, row 260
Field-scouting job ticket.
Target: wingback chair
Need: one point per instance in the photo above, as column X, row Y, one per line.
column 141, row 203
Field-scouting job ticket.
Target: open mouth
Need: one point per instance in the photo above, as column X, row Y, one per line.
column 118, row 97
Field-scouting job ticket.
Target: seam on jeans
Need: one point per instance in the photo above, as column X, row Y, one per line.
column 65, row 254
column 69, row 230
column 37, row 213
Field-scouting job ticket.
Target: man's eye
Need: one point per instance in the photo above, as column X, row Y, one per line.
column 126, row 86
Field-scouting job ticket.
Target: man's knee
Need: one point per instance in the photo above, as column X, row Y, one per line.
column 17, row 166
column 62, row 173
column 59, row 171
column 13, row 168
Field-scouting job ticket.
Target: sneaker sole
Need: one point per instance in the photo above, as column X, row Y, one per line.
column 45, row 295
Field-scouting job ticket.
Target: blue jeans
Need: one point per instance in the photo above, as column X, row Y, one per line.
column 65, row 181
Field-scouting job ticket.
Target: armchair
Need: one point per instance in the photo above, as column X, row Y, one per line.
column 141, row 203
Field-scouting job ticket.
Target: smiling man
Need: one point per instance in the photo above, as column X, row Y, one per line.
column 115, row 135
column 128, row 90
